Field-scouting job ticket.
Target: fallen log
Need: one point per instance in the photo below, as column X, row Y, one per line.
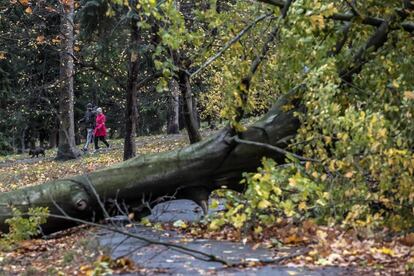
column 191, row 172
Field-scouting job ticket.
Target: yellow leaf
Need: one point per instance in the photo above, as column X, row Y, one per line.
column 214, row 204
column 386, row 251
column 180, row 224
column 40, row 39
column 328, row 139
column 302, row 206
column 56, row 40
column 28, row 10
column 382, row 132
column 263, row 204
column 258, row 229
column 292, row 181
column 321, row 234
column 294, row 239
column 2, row 55
column 239, row 219
column 409, row 95
column 317, row 21
column 395, row 84
column 349, row 174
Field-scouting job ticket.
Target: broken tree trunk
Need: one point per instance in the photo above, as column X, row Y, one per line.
column 191, row 172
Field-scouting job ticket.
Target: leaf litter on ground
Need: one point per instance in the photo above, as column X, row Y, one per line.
column 328, row 246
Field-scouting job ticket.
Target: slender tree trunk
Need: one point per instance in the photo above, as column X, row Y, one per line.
column 131, row 114
column 67, row 148
column 173, row 108
column 53, row 137
column 23, row 139
column 181, row 121
column 196, row 114
column 190, row 121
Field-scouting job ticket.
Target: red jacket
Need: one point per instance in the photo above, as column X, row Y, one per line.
column 100, row 129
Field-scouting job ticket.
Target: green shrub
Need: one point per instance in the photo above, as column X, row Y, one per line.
column 22, row 227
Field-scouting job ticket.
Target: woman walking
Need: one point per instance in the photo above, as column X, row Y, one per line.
column 100, row 128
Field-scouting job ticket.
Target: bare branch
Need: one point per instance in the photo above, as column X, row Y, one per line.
column 273, row 148
column 229, row 44
column 183, row 249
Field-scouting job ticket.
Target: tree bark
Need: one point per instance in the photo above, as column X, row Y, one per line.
column 53, row 137
column 192, row 172
column 173, row 108
column 67, row 148
column 23, row 139
column 131, row 114
column 190, row 121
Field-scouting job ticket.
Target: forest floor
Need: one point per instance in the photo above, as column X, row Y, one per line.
column 80, row 251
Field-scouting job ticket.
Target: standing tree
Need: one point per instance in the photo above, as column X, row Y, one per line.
column 67, row 147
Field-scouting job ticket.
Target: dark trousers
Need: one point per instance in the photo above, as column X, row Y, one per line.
column 102, row 138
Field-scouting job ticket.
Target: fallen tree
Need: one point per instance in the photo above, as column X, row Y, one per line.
column 191, row 172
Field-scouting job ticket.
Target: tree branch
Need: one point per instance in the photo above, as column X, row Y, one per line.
column 376, row 41
column 94, row 67
column 368, row 20
column 244, row 85
column 183, row 249
column 273, row 148
column 229, row 44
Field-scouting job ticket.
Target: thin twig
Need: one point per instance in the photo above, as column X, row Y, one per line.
column 209, row 257
column 273, row 148
column 98, row 199
column 287, row 257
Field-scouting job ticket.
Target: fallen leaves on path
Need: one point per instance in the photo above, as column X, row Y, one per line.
column 378, row 252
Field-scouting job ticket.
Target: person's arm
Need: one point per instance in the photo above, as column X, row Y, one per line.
column 82, row 120
column 98, row 123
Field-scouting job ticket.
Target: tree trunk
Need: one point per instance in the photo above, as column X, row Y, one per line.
column 190, row 121
column 131, row 114
column 67, row 148
column 192, row 172
column 53, row 137
column 196, row 114
column 173, row 108
column 23, row 139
